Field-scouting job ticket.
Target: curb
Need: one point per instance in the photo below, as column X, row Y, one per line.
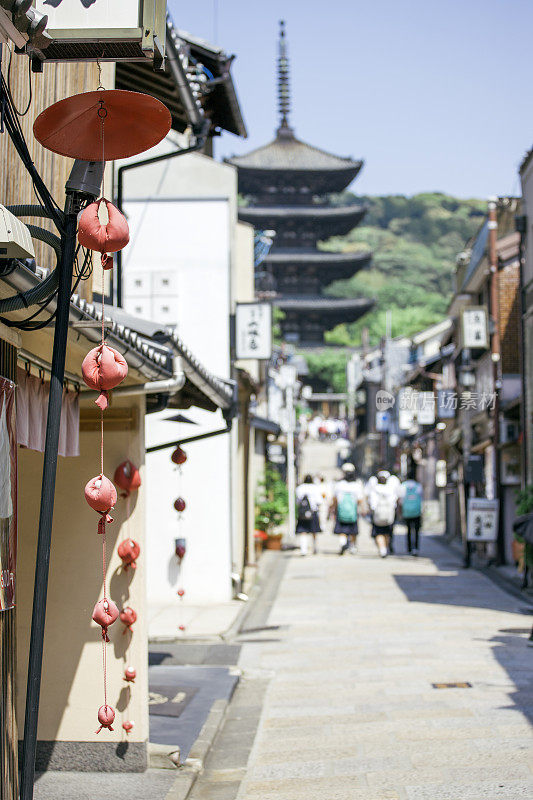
column 188, row 772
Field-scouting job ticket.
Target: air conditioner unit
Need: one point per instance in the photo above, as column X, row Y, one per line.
column 15, row 239
column 104, row 30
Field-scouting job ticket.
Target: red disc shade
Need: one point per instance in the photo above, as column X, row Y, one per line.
column 72, row 127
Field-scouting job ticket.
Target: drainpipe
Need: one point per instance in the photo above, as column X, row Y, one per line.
column 521, row 228
column 495, row 347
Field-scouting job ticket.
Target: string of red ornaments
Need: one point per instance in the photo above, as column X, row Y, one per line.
column 103, row 368
column 128, row 479
column 179, row 457
column 92, row 126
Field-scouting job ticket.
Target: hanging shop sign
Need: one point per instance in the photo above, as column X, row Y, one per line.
column 482, row 516
column 105, row 30
column 406, row 405
column 475, row 330
column 8, row 495
column 425, row 408
column 446, row 403
column 253, row 331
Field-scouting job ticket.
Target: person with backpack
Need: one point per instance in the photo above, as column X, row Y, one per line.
column 347, row 501
column 383, row 499
column 308, row 500
column 411, row 506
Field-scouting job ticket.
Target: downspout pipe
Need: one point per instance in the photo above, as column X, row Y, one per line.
column 496, row 365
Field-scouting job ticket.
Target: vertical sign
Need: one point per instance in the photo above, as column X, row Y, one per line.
column 8, row 495
column 253, row 330
column 482, row 520
column 475, row 328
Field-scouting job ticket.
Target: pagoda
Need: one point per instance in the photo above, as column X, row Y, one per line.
column 287, row 185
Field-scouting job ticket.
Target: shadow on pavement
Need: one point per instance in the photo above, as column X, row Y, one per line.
column 472, row 589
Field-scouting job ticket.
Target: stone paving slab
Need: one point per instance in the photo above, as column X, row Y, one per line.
column 351, row 712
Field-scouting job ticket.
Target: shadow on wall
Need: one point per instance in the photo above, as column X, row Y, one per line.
column 75, row 584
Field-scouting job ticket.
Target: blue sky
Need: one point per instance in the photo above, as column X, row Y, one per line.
column 434, row 96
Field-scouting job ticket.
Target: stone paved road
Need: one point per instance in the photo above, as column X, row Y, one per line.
column 350, row 711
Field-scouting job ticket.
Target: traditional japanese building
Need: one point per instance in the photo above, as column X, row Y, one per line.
column 287, row 185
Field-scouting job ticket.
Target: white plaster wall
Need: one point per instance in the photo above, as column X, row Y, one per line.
column 182, row 217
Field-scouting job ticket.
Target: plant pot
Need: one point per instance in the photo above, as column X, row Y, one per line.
column 273, row 543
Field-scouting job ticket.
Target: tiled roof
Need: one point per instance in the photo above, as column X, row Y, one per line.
column 322, row 257
column 289, row 153
column 319, row 303
column 250, row 213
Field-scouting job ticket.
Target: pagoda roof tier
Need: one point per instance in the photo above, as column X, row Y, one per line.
column 351, row 308
column 308, row 317
column 323, row 220
column 319, row 258
column 288, row 160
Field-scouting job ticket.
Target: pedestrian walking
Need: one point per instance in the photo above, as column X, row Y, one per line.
column 411, row 508
column 308, row 500
column 348, row 500
column 382, row 499
column 395, row 484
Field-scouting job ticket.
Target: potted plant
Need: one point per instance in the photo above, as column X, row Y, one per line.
column 523, row 530
column 272, row 506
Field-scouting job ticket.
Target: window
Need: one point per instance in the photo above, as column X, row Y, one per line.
column 138, row 282
column 165, row 281
column 138, row 310
column 165, row 309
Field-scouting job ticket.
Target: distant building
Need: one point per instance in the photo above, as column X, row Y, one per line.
column 287, row 185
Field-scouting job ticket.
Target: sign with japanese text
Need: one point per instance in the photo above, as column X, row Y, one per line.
column 482, row 520
column 8, row 495
column 475, row 328
column 253, row 331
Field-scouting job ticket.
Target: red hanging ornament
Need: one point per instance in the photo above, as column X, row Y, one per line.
column 129, row 551
column 101, row 494
column 130, row 674
column 105, row 239
column 179, row 456
column 128, row 726
column 128, row 616
column 181, row 627
column 180, row 504
column 127, row 477
column 180, row 549
column 106, row 717
column 181, row 592
column 103, row 368
column 105, row 613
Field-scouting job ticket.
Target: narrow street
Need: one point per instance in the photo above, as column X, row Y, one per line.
column 346, row 684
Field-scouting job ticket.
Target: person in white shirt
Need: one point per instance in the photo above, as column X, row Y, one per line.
column 308, row 500
column 347, row 504
column 383, row 499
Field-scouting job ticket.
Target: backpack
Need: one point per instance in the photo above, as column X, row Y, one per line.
column 305, row 512
column 347, row 509
column 385, row 510
column 412, row 501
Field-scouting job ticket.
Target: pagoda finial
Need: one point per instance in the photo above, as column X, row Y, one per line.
column 284, row 98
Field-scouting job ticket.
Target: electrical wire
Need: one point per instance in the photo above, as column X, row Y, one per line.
column 30, row 92
column 16, row 134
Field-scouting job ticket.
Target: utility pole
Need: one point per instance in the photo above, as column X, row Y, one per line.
column 495, row 347
column 287, row 374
